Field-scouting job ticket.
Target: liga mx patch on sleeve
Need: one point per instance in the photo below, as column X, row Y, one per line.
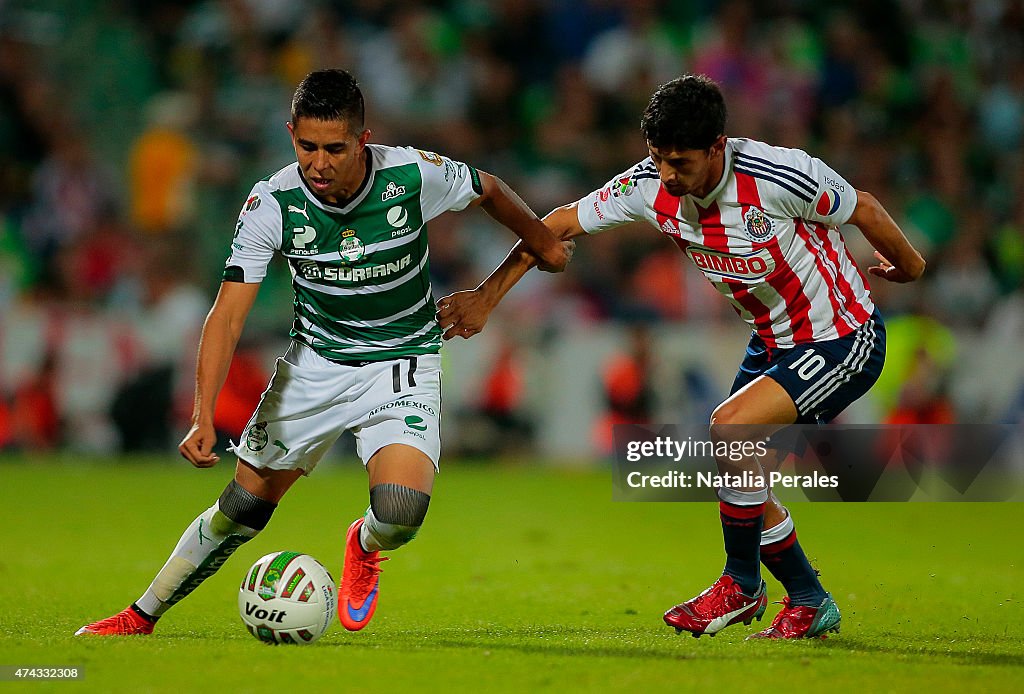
column 829, row 202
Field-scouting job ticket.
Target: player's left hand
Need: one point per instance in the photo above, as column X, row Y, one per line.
column 197, row 446
column 888, row 271
column 463, row 314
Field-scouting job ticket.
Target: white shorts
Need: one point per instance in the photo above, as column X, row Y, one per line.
column 311, row 400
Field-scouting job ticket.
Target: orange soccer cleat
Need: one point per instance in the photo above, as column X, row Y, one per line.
column 127, row 622
column 360, row 581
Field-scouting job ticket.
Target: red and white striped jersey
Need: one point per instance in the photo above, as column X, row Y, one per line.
column 766, row 237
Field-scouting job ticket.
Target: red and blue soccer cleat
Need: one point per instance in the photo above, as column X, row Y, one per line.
column 360, row 582
column 127, row 622
column 721, row 605
column 801, row 622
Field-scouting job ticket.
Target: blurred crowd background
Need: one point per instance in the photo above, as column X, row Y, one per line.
column 132, row 130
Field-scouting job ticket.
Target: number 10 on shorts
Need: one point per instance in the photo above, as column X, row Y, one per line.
column 807, row 365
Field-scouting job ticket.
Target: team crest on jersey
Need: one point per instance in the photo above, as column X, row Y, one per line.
column 256, row 439
column 252, row 203
column 758, row 225
column 351, row 248
column 392, row 191
column 828, row 203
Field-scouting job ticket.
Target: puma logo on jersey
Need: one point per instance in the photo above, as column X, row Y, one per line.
column 296, row 210
column 745, row 267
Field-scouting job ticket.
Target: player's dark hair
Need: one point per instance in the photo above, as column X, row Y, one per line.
column 329, row 95
column 686, row 113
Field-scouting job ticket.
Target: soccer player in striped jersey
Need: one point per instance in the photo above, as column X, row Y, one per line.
column 761, row 223
column 349, row 218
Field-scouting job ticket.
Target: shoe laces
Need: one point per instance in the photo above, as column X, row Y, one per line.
column 717, row 594
column 784, row 614
column 790, row 617
column 367, row 571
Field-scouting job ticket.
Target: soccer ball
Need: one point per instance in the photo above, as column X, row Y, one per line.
column 287, row 597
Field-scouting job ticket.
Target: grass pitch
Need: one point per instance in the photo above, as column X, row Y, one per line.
column 522, row 579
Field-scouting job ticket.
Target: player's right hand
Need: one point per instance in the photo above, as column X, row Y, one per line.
column 197, row 446
column 887, row 271
column 566, row 249
column 463, row 314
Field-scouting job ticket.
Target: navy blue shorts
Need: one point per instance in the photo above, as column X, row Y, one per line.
column 823, row 378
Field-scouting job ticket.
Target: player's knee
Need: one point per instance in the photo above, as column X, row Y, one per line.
column 238, row 506
column 396, row 514
column 724, row 421
column 726, row 413
column 732, row 421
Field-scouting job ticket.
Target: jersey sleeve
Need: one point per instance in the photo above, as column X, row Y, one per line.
column 833, row 199
column 447, row 184
column 617, row 203
column 257, row 237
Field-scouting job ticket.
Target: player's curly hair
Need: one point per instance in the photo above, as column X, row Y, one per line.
column 686, row 113
column 327, row 95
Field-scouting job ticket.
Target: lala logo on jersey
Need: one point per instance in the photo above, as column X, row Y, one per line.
column 828, row 203
column 393, row 190
column 758, row 225
column 744, row 267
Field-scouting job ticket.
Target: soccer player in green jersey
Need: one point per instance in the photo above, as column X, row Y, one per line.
column 350, row 219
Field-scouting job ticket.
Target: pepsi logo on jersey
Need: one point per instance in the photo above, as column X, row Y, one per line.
column 828, row 203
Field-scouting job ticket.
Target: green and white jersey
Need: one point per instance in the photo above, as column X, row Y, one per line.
column 360, row 272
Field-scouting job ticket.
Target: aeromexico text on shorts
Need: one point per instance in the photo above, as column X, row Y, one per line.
column 403, row 403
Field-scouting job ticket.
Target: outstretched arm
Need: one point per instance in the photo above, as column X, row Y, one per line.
column 221, row 331
column 465, row 313
column 898, row 260
column 508, row 209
